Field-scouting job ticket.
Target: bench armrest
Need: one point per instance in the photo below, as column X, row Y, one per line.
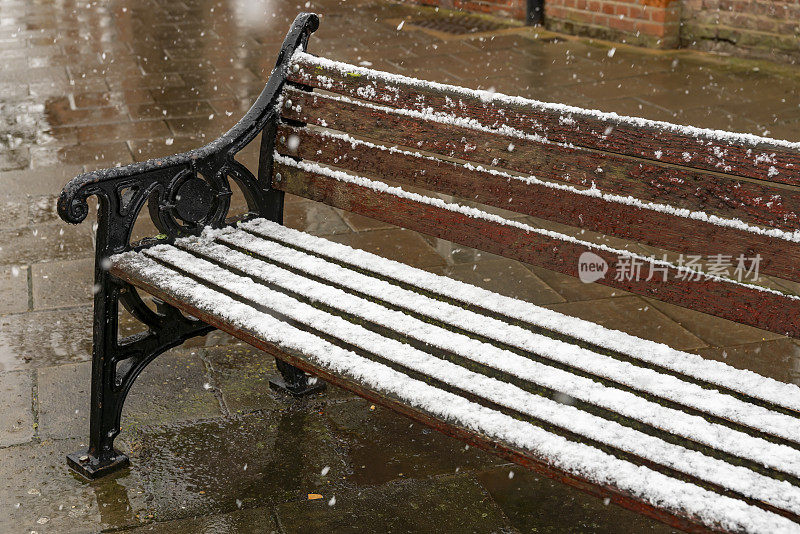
column 187, row 191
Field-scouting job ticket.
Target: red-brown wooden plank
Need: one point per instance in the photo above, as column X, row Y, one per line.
column 728, row 300
column 621, row 135
column 520, row 457
column 756, row 203
column 689, row 236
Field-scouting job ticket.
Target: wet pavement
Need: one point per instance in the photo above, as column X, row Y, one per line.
column 92, row 84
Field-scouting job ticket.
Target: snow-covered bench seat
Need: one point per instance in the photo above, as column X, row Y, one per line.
column 697, row 444
column 648, row 422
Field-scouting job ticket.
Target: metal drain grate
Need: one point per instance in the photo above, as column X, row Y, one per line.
column 457, row 24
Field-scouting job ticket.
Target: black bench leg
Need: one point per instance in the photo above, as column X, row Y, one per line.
column 295, row 381
column 116, row 363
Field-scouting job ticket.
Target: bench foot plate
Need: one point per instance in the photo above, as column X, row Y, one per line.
column 90, row 467
column 279, row 384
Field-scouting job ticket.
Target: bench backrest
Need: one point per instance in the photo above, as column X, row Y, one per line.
column 726, row 202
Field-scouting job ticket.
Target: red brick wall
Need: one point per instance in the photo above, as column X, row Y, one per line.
column 759, row 28
column 654, row 23
column 756, row 28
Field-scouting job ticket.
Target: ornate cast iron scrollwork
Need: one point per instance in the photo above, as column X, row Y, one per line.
column 184, row 193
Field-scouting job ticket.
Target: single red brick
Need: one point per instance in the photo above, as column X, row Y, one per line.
column 652, row 28
column 598, row 19
column 625, row 25
column 636, row 12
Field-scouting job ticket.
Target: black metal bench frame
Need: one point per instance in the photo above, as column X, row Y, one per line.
column 179, row 203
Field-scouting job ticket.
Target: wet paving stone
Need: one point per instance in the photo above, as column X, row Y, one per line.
column 125, row 131
column 40, row 494
column 359, row 223
column 534, row 503
column 715, row 331
column 92, row 156
column 383, row 446
column 776, row 358
column 217, row 466
column 454, row 504
column 243, row 521
column 174, row 387
column 16, row 398
column 314, row 218
column 64, row 283
column 14, row 159
column 15, row 210
column 242, row 374
column 63, row 399
column 571, row 289
column 506, row 277
column 44, row 243
column 13, row 289
column 45, row 338
column 44, row 181
column 396, row 244
column 634, row 316
column 159, row 148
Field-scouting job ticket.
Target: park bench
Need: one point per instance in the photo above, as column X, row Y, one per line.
column 698, row 444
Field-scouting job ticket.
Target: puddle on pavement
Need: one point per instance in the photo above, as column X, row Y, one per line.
column 41, row 494
column 220, row 466
column 535, row 503
column 383, row 446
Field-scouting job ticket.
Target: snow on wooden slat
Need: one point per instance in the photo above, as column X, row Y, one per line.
column 693, row 365
column 778, row 457
column 683, row 498
column 744, row 303
column 364, row 151
column 660, row 225
column 753, row 201
column 733, row 153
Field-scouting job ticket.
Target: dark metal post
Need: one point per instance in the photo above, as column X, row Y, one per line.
column 534, row 15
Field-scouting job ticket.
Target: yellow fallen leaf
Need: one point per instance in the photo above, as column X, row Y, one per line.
column 314, row 496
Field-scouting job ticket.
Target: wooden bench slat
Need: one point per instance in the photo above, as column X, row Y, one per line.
column 269, row 262
column 197, row 292
column 713, row 374
column 738, row 302
column 756, row 203
column 741, row 154
column 686, row 235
